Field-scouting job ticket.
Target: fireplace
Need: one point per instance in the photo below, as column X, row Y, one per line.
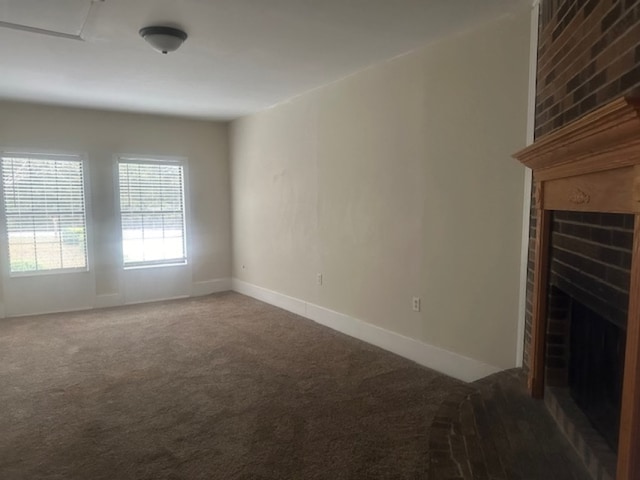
column 590, row 262
column 585, row 358
column 590, row 333
column 596, row 365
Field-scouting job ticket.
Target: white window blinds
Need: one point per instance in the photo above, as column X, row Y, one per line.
column 44, row 206
column 152, row 212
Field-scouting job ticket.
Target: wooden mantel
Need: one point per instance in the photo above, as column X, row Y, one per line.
column 591, row 165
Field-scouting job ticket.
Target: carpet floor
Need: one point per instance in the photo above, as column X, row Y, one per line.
column 217, row 387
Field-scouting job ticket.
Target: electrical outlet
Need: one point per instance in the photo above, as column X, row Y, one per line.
column 416, row 304
column 319, row 279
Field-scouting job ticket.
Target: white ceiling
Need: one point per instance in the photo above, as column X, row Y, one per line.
column 241, row 55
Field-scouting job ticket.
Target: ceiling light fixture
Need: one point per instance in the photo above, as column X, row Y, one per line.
column 163, row 39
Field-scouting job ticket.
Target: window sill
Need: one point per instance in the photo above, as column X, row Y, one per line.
column 154, row 265
column 45, row 273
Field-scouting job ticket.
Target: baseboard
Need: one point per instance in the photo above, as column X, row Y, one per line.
column 444, row 361
column 37, row 313
column 198, row 289
column 280, row 300
column 142, row 301
column 108, row 300
column 208, row 287
column 116, row 299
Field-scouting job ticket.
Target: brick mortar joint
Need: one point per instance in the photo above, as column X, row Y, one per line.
column 595, row 277
column 593, row 259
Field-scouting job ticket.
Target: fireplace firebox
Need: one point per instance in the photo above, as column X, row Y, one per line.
column 596, row 364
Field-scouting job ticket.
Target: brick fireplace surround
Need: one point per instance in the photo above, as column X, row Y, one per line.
column 592, row 165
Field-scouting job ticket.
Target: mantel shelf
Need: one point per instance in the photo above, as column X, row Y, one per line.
column 602, row 140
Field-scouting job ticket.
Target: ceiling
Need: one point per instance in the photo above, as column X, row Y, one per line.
column 241, row 55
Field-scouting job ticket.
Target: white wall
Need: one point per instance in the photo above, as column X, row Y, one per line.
column 101, row 135
column 396, row 182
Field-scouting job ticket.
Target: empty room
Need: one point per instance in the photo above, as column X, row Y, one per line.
column 339, row 239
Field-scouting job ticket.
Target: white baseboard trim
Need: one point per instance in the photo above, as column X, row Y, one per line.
column 117, row 299
column 142, row 301
column 444, row 361
column 108, row 300
column 208, row 287
column 37, row 313
column 198, row 289
column 280, row 300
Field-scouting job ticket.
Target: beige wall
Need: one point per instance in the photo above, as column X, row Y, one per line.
column 101, row 135
column 396, row 182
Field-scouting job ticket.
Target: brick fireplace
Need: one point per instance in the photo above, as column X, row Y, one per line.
column 584, row 371
column 590, row 264
column 587, row 310
column 587, row 271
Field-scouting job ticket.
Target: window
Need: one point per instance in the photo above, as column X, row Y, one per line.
column 44, row 208
column 152, row 212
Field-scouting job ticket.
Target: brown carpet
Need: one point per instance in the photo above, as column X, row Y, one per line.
column 218, row 387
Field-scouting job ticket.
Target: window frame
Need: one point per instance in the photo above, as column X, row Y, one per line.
column 37, row 154
column 154, row 160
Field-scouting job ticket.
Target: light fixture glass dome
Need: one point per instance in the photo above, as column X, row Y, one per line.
column 163, row 39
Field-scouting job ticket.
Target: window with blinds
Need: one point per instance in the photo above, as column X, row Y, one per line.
column 44, row 207
column 152, row 212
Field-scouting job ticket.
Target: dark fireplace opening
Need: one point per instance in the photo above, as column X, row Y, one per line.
column 587, row 309
column 596, row 367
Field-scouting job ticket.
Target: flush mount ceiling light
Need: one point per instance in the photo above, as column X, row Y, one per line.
column 163, row 39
